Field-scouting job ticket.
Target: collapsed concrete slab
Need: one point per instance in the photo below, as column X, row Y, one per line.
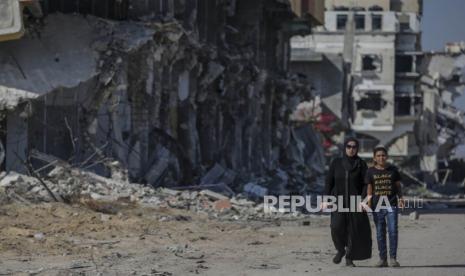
column 11, row 23
column 42, row 64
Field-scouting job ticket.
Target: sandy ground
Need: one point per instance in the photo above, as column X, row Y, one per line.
column 59, row 239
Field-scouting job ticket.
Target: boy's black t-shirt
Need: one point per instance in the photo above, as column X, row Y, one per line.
column 384, row 183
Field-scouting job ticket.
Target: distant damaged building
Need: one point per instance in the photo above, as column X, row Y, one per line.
column 441, row 126
column 367, row 65
column 379, row 41
column 172, row 90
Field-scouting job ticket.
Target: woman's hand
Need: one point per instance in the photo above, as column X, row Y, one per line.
column 365, row 206
column 401, row 203
column 324, row 205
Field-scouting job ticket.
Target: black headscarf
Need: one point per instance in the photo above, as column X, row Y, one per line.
column 350, row 162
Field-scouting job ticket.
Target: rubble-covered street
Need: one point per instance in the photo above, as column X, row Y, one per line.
column 111, row 227
column 59, row 239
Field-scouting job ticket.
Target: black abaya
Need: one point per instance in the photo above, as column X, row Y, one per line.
column 351, row 232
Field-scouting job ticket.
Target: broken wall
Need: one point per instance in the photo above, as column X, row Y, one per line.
column 325, row 75
column 373, row 108
column 313, row 8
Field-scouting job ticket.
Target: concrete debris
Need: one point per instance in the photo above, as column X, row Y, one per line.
column 455, row 48
column 414, row 215
column 255, row 191
column 102, row 195
column 212, row 195
column 156, row 98
column 39, row 236
column 307, row 111
column 218, row 174
column 222, row 176
column 222, row 204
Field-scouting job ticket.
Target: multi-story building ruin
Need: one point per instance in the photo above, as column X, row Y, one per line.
column 382, row 49
column 366, row 63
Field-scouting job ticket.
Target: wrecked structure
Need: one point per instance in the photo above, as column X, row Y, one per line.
column 367, row 65
column 177, row 92
column 384, row 38
column 442, row 81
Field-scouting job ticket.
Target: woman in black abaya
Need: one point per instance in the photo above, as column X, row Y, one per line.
column 350, row 231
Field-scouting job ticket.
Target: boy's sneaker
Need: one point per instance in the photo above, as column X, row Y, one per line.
column 382, row 263
column 337, row 259
column 393, row 262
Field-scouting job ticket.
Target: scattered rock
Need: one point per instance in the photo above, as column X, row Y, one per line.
column 104, row 217
column 39, row 236
column 222, row 204
column 213, row 195
column 414, row 215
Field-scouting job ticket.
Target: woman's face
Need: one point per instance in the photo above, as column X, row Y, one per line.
column 351, row 148
column 380, row 157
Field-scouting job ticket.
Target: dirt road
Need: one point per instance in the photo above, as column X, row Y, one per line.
column 59, row 239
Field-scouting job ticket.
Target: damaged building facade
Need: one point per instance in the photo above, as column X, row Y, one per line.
column 176, row 92
column 367, row 65
column 383, row 56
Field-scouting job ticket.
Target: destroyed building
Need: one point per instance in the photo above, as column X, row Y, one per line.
column 382, row 47
column 441, row 127
column 366, row 63
column 177, row 92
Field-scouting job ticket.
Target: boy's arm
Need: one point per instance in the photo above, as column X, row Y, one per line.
column 369, row 193
column 369, row 186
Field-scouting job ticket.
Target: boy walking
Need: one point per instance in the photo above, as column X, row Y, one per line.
column 384, row 187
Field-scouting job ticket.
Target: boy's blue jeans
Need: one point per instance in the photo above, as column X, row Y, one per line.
column 380, row 218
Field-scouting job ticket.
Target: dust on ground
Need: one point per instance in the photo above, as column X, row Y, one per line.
column 128, row 239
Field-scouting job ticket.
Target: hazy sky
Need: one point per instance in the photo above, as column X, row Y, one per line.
column 443, row 21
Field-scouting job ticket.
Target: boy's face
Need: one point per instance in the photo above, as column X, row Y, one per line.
column 380, row 157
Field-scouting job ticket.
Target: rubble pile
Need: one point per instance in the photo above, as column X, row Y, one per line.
column 80, row 186
column 72, row 183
